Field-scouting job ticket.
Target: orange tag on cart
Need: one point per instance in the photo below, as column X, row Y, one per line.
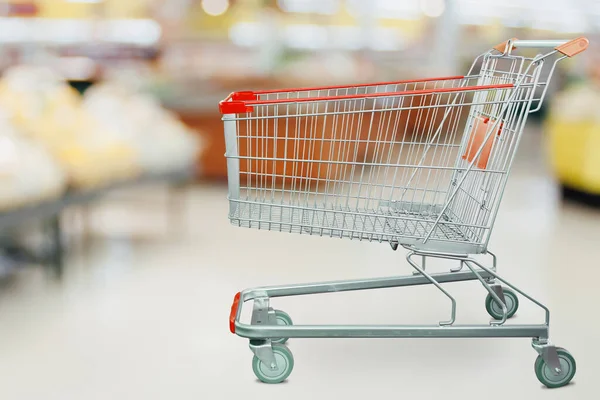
column 476, row 139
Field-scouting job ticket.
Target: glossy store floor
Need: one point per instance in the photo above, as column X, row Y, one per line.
column 144, row 316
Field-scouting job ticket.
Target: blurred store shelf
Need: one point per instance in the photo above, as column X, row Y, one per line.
column 50, row 208
column 49, row 214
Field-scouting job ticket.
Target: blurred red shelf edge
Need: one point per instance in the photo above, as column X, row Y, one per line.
column 18, row 9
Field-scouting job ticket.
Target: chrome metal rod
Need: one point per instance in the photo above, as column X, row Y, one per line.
column 492, row 293
column 391, row 331
column 510, row 285
column 538, row 44
column 432, row 280
column 362, row 284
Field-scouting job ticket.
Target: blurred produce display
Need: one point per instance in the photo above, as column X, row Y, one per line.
column 160, row 141
column 53, row 138
column 28, row 173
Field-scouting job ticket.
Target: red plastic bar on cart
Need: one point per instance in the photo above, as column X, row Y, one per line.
column 242, row 102
column 233, row 104
column 306, row 89
column 234, row 307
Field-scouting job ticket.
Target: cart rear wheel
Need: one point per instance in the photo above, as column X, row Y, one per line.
column 285, row 365
column 548, row 378
column 495, row 309
column 282, row 319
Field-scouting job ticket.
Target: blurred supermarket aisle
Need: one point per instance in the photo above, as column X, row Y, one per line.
column 144, row 316
column 99, row 95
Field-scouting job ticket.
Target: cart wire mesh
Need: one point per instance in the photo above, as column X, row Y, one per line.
column 413, row 162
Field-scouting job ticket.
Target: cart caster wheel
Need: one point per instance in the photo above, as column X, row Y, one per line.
column 548, row 378
column 495, row 309
column 285, row 365
column 282, row 319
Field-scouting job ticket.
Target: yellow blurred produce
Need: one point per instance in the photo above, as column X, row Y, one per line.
column 112, row 134
column 91, row 156
column 47, row 110
column 574, row 138
column 161, row 141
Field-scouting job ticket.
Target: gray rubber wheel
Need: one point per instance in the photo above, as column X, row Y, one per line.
column 282, row 319
column 495, row 309
column 548, row 378
column 285, row 365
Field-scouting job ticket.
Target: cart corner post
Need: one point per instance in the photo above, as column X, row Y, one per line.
column 233, row 161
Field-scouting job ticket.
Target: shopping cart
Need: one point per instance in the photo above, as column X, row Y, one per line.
column 420, row 164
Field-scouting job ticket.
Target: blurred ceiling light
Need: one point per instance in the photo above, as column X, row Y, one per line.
column 433, row 8
column 246, row 34
column 143, row 32
column 70, row 31
column 325, row 7
column 61, row 31
column 215, row 7
column 14, row 30
column 398, row 9
column 306, row 36
column 386, row 39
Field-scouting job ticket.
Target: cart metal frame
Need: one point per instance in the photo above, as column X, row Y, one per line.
column 442, row 206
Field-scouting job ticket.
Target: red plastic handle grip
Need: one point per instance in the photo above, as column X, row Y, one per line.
column 234, row 307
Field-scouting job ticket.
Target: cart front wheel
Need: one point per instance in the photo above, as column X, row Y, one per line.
column 567, row 366
column 495, row 309
column 285, row 365
column 282, row 319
